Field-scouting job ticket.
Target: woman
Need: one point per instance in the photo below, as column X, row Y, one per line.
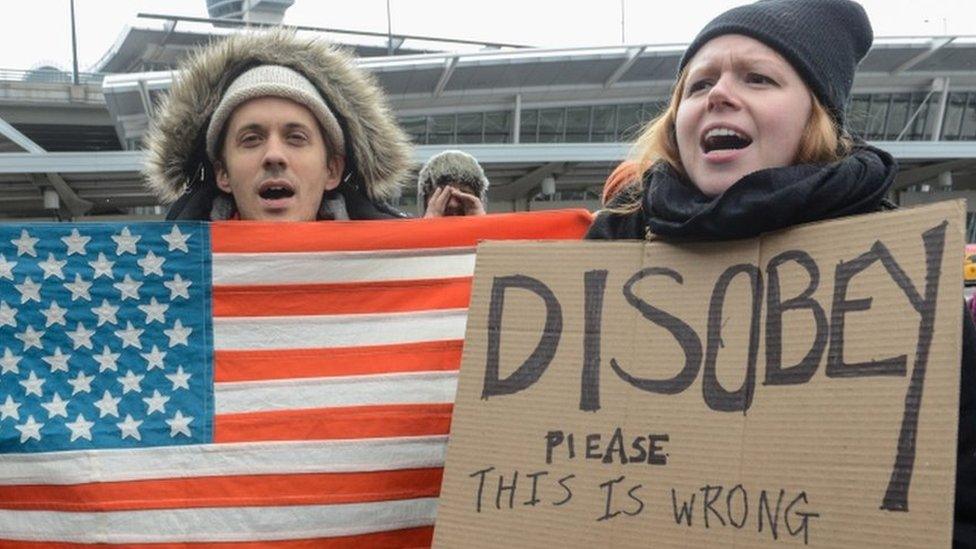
column 753, row 140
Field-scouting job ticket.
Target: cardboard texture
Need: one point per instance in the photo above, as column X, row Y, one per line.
column 796, row 389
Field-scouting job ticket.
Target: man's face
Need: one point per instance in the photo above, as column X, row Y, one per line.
column 274, row 161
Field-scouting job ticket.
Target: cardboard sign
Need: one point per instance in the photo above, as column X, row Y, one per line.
column 795, row 389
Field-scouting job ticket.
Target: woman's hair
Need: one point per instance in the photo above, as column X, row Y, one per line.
column 822, row 142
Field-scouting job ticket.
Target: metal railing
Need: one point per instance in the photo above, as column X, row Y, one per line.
column 48, row 76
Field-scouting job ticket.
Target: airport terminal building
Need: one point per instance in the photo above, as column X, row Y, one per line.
column 547, row 124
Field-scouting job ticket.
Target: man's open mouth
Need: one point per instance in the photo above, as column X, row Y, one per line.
column 722, row 138
column 276, row 191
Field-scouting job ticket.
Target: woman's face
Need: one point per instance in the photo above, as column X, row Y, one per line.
column 743, row 109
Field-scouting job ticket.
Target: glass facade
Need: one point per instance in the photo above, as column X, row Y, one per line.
column 875, row 117
column 578, row 124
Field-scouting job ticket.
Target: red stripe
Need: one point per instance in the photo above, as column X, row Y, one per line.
column 394, row 539
column 226, row 491
column 445, row 232
column 354, row 422
column 337, row 299
column 346, row 361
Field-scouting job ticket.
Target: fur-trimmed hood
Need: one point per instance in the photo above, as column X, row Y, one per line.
column 377, row 150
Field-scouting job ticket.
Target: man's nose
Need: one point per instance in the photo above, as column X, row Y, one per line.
column 274, row 154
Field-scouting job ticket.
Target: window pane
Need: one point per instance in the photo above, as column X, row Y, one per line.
column 898, row 115
column 877, row 116
column 441, row 129
column 857, row 115
column 577, row 124
column 628, row 121
column 953, row 116
column 920, row 128
column 604, row 120
column 469, row 127
column 969, row 120
column 497, row 127
column 551, row 125
column 416, row 128
column 528, row 131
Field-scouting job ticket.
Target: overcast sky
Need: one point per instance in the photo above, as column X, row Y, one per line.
column 39, row 31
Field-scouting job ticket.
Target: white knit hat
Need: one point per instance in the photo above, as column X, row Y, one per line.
column 272, row 81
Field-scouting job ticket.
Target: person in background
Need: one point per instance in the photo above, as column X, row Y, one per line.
column 754, row 140
column 452, row 183
column 272, row 127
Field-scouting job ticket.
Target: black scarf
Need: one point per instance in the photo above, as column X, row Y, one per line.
column 769, row 199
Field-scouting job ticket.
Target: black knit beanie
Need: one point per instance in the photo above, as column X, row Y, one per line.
column 824, row 40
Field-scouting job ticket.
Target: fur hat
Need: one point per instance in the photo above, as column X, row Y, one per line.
column 272, row 81
column 376, row 149
column 823, row 40
column 452, row 166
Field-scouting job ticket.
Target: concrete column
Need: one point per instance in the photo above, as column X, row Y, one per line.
column 517, row 118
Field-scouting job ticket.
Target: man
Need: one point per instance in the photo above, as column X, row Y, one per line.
column 276, row 128
column 452, row 183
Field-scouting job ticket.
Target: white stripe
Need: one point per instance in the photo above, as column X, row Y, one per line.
column 248, row 458
column 218, row 524
column 284, row 394
column 302, row 332
column 326, row 267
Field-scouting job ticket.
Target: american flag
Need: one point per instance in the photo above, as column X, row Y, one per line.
column 234, row 384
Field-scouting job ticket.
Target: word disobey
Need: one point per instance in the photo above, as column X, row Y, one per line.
column 702, row 357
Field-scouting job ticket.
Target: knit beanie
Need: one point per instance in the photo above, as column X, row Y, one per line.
column 452, row 167
column 272, row 81
column 823, row 40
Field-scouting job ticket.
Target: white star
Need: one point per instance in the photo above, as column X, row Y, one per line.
column 29, row 290
column 178, row 334
column 52, row 267
column 154, row 359
column 106, row 313
column 57, row 407
column 129, row 336
column 25, row 244
column 31, row 430
column 156, row 403
column 57, row 361
column 180, row 379
column 76, row 243
column 9, row 409
column 155, row 311
column 32, row 385
column 178, row 287
column 129, row 288
column 108, row 405
column 30, row 337
column 79, row 288
column 9, row 362
column 125, row 242
column 81, row 337
column 130, row 382
column 179, row 424
column 7, row 268
column 102, row 267
column 106, row 360
column 8, row 315
column 54, row 315
column 81, row 384
column 130, row 427
column 80, row 428
column 151, row 264
column 177, row 240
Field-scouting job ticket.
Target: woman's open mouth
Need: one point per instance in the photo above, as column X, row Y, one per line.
column 722, row 138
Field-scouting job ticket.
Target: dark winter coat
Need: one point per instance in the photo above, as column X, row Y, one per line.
column 613, row 226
